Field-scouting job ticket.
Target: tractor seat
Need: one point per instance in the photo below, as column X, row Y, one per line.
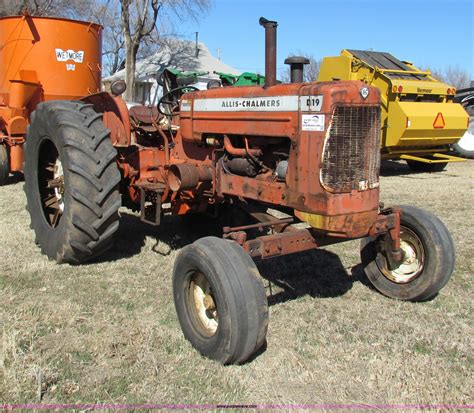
column 145, row 117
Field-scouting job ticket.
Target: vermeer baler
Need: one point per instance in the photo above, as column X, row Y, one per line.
column 419, row 118
column 41, row 59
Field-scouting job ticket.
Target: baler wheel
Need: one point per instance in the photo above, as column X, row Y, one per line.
column 220, row 300
column 465, row 146
column 416, row 166
column 71, row 181
column 427, row 263
column 4, row 164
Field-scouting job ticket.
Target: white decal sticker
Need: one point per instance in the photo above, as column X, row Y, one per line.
column 250, row 104
column 185, row 106
column 260, row 104
column 311, row 103
column 65, row 55
column 71, row 66
column 312, row 123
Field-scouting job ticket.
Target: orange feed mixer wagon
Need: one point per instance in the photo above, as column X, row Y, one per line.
column 41, row 59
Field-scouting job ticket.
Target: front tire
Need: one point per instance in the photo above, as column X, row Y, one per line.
column 220, row 300
column 428, row 258
column 4, row 164
column 71, row 181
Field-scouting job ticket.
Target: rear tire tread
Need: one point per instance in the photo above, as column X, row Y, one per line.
column 89, row 162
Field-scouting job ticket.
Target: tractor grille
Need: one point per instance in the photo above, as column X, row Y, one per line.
column 351, row 159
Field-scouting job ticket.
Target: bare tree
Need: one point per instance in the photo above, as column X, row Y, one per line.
column 311, row 70
column 138, row 22
column 453, row 76
column 57, row 8
column 129, row 25
column 139, row 25
column 108, row 14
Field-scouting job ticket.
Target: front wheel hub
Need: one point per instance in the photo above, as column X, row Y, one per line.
column 203, row 304
column 412, row 260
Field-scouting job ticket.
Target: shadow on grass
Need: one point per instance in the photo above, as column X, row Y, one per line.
column 317, row 273
column 172, row 233
column 394, row 168
column 14, row 178
column 358, row 273
column 397, row 168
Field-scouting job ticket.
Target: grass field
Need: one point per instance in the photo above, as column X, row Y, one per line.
column 107, row 331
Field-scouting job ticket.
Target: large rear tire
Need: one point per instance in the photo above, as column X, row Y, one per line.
column 428, row 260
column 4, row 164
column 71, row 181
column 220, row 300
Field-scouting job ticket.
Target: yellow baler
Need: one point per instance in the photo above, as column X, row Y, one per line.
column 419, row 118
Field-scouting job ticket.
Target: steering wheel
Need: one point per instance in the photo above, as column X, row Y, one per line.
column 173, row 104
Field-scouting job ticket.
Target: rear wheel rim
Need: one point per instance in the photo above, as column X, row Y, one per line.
column 413, row 260
column 51, row 183
column 202, row 304
column 58, row 176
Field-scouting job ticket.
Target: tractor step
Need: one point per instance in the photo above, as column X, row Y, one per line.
column 150, row 206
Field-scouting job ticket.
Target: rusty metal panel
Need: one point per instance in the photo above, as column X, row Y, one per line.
column 284, row 243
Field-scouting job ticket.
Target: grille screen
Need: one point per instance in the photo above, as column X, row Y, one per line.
column 351, row 159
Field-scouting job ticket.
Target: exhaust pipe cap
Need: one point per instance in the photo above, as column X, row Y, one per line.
column 296, row 67
column 267, row 23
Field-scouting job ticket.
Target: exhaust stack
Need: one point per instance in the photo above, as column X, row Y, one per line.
column 270, row 50
column 296, row 68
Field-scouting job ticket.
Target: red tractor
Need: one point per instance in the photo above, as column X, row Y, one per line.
column 308, row 150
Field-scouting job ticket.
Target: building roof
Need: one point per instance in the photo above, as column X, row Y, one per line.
column 179, row 54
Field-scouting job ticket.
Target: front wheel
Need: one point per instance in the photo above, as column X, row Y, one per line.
column 428, row 258
column 220, row 300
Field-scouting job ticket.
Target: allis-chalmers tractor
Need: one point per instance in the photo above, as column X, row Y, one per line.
column 309, row 150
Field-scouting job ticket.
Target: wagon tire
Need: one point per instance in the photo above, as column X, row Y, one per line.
column 465, row 146
column 416, row 166
column 428, row 258
column 220, row 300
column 4, row 164
column 71, row 181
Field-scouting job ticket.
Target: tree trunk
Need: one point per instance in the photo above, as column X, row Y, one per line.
column 130, row 65
column 129, row 60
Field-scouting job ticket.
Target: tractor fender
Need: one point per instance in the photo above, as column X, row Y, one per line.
column 115, row 116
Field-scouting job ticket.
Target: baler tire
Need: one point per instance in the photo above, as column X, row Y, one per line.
column 4, row 164
column 429, row 255
column 71, row 181
column 416, row 166
column 459, row 147
column 220, row 271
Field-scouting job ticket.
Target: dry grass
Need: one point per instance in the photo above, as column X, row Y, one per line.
column 108, row 332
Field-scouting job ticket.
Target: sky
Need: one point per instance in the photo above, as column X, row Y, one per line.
column 430, row 33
